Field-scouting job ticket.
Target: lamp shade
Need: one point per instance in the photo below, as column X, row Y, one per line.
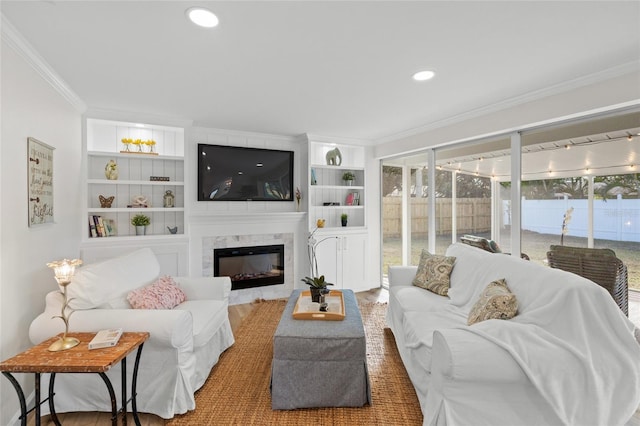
column 64, row 269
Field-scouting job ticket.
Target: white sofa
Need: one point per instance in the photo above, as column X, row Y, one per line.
column 184, row 344
column 569, row 356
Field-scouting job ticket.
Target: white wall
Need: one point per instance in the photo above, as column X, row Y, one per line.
column 31, row 107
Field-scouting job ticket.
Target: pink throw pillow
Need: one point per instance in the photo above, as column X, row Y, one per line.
column 164, row 293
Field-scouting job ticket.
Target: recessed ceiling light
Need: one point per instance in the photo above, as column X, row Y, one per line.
column 202, row 17
column 423, row 75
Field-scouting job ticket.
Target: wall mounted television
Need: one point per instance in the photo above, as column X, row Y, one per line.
column 231, row 173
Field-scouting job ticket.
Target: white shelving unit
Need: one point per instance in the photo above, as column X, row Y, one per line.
column 104, row 143
column 329, row 195
column 342, row 252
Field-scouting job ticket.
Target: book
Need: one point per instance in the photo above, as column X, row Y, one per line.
column 93, row 233
column 110, row 227
column 106, row 338
column 349, row 200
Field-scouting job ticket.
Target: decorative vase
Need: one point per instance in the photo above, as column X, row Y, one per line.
column 315, row 294
column 318, row 294
column 141, row 230
column 344, row 222
column 349, row 182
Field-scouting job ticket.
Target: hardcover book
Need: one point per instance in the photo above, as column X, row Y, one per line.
column 106, row 338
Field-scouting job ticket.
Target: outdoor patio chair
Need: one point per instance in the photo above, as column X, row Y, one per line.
column 485, row 244
column 599, row 265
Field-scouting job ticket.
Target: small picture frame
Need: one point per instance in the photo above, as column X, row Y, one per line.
column 39, row 182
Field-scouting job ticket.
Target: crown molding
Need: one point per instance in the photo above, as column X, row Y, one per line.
column 337, row 140
column 22, row 47
column 136, row 117
column 535, row 95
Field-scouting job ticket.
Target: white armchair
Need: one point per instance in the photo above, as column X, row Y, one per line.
column 184, row 344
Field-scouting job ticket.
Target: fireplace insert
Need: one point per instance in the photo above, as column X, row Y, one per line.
column 249, row 267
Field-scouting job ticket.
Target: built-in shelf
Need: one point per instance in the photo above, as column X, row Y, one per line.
column 134, row 179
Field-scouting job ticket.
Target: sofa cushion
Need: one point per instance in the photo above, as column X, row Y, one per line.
column 410, row 298
column 495, row 302
column 106, row 284
column 433, row 272
column 208, row 316
column 162, row 294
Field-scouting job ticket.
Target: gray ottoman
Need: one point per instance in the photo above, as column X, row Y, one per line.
column 319, row 363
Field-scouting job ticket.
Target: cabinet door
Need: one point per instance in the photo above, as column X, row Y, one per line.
column 328, row 262
column 354, row 268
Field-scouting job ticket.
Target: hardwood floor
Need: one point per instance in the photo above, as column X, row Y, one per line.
column 236, row 315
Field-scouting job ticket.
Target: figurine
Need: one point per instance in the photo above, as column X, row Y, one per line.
column 140, row 201
column 105, row 202
column 111, row 170
column 334, row 157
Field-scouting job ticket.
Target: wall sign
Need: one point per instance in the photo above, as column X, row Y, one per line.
column 40, row 181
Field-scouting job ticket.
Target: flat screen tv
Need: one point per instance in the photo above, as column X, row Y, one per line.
column 230, row 173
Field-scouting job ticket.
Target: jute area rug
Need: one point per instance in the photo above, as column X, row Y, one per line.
column 237, row 390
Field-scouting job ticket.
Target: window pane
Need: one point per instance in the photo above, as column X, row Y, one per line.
column 391, row 216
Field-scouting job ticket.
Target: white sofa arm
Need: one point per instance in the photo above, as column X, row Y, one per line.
column 401, row 275
column 201, row 288
column 464, row 356
column 172, row 328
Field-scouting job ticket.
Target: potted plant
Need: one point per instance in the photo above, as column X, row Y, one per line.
column 140, row 221
column 316, row 282
column 348, row 177
column 343, row 219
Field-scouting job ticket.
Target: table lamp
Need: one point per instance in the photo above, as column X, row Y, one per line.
column 64, row 271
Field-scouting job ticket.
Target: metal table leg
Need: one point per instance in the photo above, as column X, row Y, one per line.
column 134, row 383
column 23, row 402
column 52, row 407
column 112, row 395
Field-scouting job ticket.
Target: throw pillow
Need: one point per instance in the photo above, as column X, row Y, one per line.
column 433, row 272
column 164, row 293
column 496, row 302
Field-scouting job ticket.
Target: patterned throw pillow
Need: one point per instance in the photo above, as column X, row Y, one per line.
column 164, row 293
column 433, row 273
column 496, row 302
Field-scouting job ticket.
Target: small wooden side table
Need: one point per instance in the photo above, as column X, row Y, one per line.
column 80, row 359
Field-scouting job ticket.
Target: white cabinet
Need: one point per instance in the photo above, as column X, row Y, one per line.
column 342, row 259
column 330, row 196
column 145, row 175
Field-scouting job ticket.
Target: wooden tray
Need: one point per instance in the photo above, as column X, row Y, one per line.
column 305, row 309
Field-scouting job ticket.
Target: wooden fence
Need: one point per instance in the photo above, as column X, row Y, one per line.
column 474, row 215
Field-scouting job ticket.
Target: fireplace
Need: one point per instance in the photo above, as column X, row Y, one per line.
column 248, row 267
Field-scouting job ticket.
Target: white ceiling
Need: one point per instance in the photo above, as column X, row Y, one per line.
column 339, row 69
